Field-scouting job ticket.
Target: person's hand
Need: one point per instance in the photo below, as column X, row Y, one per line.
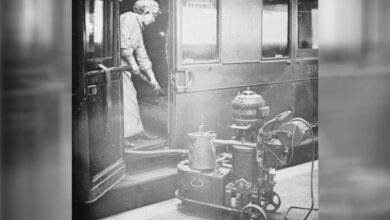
column 157, row 88
column 137, row 72
column 154, row 83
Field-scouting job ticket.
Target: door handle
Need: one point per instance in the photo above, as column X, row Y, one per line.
column 92, row 90
column 104, row 68
column 107, row 74
column 183, row 80
column 188, row 79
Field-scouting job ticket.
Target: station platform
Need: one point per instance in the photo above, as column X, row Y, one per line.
column 293, row 186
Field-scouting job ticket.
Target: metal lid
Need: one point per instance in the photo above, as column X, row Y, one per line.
column 203, row 132
column 197, row 134
column 248, row 97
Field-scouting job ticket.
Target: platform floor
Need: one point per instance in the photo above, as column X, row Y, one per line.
column 293, row 186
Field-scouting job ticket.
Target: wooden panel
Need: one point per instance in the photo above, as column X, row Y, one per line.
column 240, row 30
column 279, row 97
column 104, row 138
column 306, row 68
column 306, row 93
column 306, row 100
column 307, row 54
column 117, row 129
column 205, row 77
column 216, row 108
column 281, row 85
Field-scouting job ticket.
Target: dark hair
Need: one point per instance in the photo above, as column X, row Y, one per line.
column 126, row 6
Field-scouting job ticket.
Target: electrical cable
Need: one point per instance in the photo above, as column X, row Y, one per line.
column 311, row 172
column 277, row 158
column 292, row 144
column 311, row 175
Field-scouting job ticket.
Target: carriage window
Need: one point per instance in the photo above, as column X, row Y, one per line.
column 99, row 34
column 275, row 31
column 200, row 31
column 307, row 24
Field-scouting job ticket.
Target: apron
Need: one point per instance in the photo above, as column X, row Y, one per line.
column 131, row 117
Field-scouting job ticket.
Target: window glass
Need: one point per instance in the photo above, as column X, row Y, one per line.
column 199, row 30
column 275, row 31
column 94, row 27
column 307, row 24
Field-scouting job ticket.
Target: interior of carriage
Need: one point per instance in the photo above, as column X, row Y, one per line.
column 153, row 108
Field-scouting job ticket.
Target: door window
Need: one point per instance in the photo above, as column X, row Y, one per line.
column 199, row 24
column 275, row 29
column 99, row 32
column 307, row 24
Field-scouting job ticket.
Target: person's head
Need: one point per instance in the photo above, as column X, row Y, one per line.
column 148, row 9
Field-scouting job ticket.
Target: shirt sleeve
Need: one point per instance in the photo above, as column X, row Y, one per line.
column 127, row 44
column 142, row 57
column 132, row 41
column 128, row 58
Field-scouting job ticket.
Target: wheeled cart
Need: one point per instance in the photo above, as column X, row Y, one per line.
column 216, row 189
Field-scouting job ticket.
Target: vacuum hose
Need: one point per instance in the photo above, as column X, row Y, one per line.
column 153, row 153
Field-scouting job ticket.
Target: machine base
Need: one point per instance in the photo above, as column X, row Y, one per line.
column 205, row 186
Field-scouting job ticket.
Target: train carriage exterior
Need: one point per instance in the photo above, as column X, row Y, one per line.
column 203, row 52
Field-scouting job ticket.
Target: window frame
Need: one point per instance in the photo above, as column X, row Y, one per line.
column 179, row 42
column 108, row 38
column 302, row 53
column 290, row 39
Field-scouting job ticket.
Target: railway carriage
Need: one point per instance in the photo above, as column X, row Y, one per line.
column 204, row 52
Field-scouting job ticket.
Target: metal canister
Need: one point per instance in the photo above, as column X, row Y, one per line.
column 249, row 108
column 202, row 151
column 244, row 163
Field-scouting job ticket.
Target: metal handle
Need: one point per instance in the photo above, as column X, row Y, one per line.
column 122, row 68
column 218, row 142
column 107, row 73
column 104, row 68
column 109, row 69
column 188, row 79
column 92, row 90
column 183, row 80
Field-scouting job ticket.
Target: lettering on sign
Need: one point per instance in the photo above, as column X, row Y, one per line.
column 311, row 69
column 246, row 112
column 202, row 5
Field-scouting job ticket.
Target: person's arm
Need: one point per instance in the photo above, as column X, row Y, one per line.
column 132, row 41
column 127, row 46
column 145, row 64
column 127, row 55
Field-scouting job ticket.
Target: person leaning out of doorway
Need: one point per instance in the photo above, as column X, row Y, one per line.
column 133, row 54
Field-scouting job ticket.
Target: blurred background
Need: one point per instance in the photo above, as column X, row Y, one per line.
column 354, row 109
column 36, row 109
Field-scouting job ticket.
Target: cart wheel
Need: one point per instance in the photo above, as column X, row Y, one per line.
column 253, row 212
column 271, row 202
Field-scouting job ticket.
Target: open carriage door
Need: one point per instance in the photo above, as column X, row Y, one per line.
column 97, row 98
